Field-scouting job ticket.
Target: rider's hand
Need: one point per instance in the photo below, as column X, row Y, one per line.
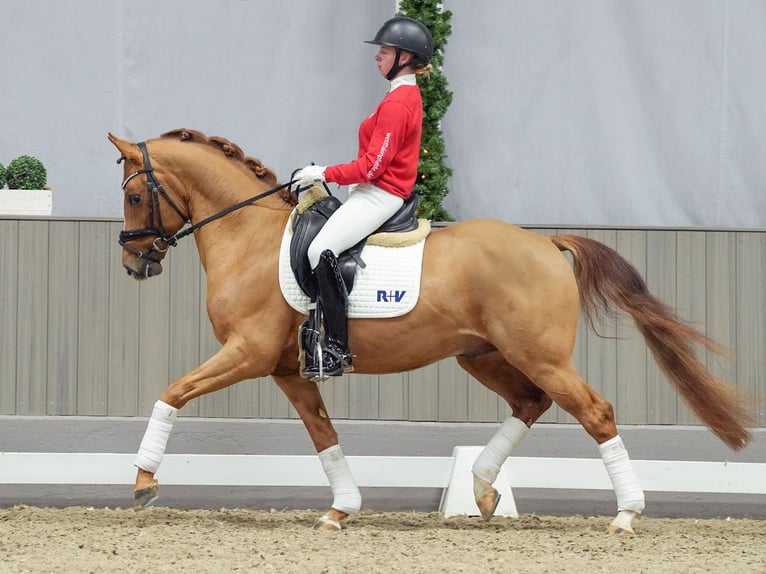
column 310, row 175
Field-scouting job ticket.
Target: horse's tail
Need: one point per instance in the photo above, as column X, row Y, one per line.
column 606, row 279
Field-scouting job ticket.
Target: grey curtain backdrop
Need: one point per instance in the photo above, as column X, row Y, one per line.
column 595, row 112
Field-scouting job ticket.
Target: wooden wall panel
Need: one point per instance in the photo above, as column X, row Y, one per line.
column 751, row 320
column 393, row 401
column 9, row 304
column 31, row 375
column 424, row 394
column 93, row 305
column 243, row 399
column 483, row 404
column 124, row 354
column 364, row 397
column 78, row 336
column 272, row 402
column 452, row 392
column 335, row 392
column 64, row 325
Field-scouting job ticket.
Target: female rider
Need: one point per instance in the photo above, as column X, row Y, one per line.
column 381, row 178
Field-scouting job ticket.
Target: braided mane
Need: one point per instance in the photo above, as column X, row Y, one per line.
column 233, row 151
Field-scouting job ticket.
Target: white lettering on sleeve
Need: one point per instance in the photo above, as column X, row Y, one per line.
column 379, row 159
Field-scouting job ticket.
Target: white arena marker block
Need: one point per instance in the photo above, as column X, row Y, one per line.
column 457, row 498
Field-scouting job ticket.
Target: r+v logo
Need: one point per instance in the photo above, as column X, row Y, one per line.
column 390, row 296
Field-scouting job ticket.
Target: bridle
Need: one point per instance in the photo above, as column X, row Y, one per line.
column 163, row 241
column 156, row 228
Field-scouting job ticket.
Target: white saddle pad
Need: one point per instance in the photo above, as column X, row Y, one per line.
column 388, row 287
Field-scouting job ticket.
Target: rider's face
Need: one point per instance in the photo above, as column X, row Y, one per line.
column 385, row 59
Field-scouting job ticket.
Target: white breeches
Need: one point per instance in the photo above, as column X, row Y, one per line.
column 366, row 209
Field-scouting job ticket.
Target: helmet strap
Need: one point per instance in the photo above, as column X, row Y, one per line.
column 396, row 67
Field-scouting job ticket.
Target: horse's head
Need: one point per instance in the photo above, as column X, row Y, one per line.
column 153, row 214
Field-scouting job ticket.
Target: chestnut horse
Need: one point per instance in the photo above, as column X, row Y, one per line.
column 502, row 300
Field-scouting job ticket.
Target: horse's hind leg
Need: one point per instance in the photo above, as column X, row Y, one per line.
column 305, row 397
column 574, row 395
column 527, row 404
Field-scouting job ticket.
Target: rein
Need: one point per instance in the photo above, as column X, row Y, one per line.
column 157, row 229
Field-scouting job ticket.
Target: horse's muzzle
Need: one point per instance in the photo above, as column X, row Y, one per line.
column 141, row 269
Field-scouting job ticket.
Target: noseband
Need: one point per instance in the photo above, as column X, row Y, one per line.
column 156, row 229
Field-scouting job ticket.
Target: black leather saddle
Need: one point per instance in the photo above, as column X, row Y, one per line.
column 306, row 225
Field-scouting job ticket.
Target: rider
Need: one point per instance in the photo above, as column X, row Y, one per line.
column 381, row 177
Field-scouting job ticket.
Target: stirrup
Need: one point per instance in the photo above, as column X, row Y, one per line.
column 332, row 362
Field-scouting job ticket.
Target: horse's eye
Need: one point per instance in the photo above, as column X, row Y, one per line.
column 134, row 199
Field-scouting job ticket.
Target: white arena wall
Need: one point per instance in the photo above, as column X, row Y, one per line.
column 379, row 450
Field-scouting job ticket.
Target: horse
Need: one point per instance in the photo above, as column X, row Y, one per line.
column 504, row 301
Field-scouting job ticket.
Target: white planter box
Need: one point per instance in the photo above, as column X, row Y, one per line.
column 26, row 201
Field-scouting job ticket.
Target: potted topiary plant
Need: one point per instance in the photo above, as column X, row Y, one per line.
column 26, row 172
column 27, row 193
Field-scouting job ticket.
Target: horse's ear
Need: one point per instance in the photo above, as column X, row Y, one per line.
column 127, row 149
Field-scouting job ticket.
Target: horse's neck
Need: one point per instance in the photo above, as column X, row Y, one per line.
column 245, row 236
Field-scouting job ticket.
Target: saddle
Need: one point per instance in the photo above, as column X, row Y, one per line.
column 307, row 223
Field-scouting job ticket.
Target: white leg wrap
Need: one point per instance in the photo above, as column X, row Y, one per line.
column 630, row 496
column 499, row 447
column 346, row 495
column 155, row 440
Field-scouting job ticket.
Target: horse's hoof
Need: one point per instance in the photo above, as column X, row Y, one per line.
column 143, row 497
column 619, row 531
column 622, row 525
column 488, row 504
column 327, row 523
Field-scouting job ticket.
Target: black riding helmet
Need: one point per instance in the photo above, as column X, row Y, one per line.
column 405, row 34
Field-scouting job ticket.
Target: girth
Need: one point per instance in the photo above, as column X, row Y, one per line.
column 306, row 226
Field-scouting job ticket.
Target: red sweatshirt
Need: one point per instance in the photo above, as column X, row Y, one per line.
column 389, row 145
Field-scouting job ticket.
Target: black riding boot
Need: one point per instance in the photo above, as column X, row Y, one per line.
column 333, row 302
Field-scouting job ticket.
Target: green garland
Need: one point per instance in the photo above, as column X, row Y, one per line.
column 433, row 172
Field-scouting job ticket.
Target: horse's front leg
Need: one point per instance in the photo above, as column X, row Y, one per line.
column 223, row 369
column 305, row 397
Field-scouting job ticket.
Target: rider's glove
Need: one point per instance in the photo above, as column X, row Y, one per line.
column 310, row 175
